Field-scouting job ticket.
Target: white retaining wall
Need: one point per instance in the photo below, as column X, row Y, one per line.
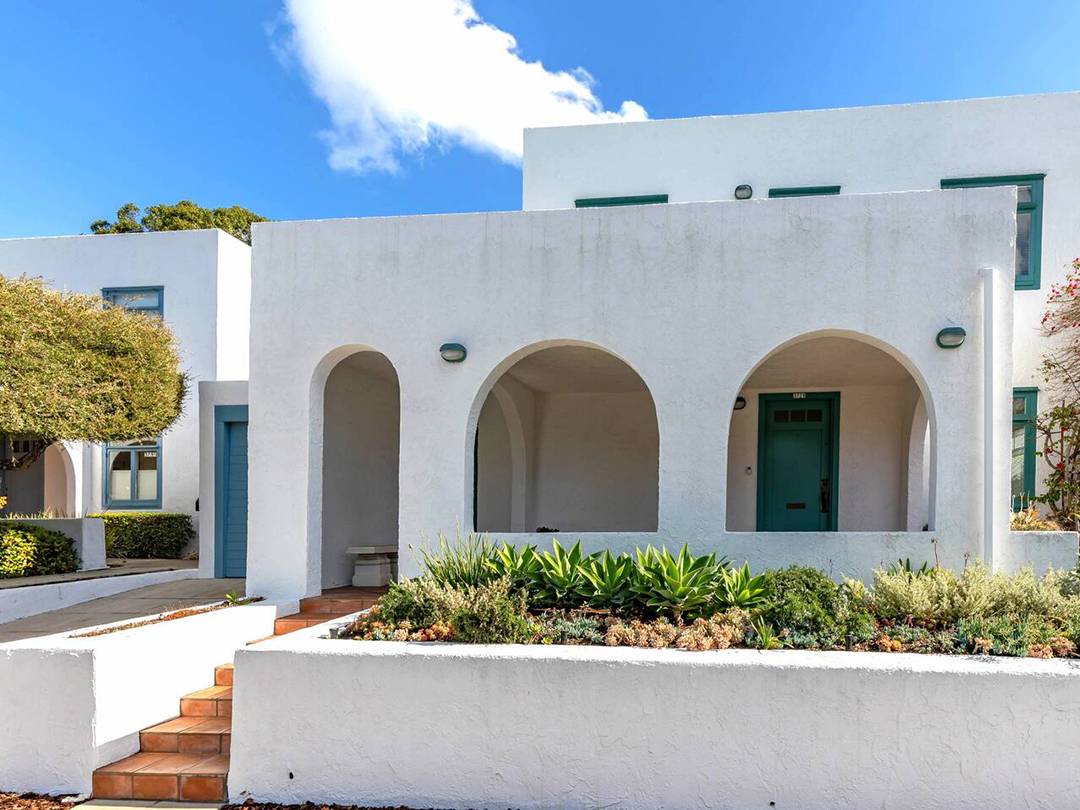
column 88, row 534
column 70, row 705
column 30, row 600
column 455, row 726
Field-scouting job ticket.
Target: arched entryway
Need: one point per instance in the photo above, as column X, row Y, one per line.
column 359, row 459
column 831, row 432
column 566, row 440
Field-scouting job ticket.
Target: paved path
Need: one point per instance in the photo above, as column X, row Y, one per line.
column 123, row 606
column 117, row 568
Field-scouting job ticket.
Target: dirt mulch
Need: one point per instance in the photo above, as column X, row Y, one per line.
column 31, row 801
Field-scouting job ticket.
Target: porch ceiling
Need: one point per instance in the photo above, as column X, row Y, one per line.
column 828, row 362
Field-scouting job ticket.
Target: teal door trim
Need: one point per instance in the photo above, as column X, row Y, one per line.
column 223, row 416
column 833, row 397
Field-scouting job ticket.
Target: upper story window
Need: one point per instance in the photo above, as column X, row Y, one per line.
column 133, row 474
column 137, row 299
column 803, row 191
column 1029, row 196
column 608, row 202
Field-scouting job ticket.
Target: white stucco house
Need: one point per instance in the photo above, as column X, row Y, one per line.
column 738, row 332
column 200, row 283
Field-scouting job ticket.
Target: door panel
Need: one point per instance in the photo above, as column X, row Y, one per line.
column 796, row 465
column 236, row 503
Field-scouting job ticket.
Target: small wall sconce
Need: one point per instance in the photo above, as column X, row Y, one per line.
column 453, row 352
column 740, row 403
column 743, row 192
column 951, row 337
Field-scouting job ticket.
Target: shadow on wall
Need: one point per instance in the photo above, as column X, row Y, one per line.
column 567, row 439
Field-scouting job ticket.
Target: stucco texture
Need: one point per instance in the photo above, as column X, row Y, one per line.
column 458, row 726
column 692, row 297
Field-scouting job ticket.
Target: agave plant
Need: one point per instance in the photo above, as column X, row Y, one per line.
column 765, row 637
column 520, row 566
column 682, row 585
column 738, row 588
column 560, row 580
column 608, row 580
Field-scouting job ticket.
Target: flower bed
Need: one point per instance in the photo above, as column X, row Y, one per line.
column 474, row 592
column 183, row 613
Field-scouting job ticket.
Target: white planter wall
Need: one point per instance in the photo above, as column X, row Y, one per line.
column 456, row 726
column 88, row 535
column 70, row 705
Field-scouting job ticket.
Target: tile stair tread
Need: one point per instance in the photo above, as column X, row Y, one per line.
column 192, row 725
column 211, row 693
column 170, row 765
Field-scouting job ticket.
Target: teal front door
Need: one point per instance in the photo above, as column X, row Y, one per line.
column 797, row 462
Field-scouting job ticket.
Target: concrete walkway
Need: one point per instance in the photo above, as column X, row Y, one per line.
column 117, row 568
column 122, row 607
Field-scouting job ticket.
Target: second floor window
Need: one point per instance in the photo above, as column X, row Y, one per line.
column 137, row 299
column 1029, row 197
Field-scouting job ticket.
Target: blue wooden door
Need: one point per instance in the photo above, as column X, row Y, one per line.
column 796, row 468
column 233, row 503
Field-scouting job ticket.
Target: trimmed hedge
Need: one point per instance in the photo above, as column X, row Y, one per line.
column 27, row 551
column 148, row 535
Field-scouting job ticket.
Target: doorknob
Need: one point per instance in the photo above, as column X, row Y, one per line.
column 825, row 495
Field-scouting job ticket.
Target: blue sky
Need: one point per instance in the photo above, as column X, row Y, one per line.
column 155, row 102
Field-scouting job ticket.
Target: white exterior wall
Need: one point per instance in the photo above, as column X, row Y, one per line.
column 206, row 276
column 537, row 727
column 691, row 296
column 866, row 149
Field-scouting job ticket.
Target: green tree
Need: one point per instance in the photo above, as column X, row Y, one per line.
column 183, row 216
column 74, row 369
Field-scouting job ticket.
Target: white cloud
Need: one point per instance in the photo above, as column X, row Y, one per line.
column 399, row 76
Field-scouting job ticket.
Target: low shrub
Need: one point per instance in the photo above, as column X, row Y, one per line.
column 27, row 550
column 492, row 613
column 147, row 535
column 941, row 597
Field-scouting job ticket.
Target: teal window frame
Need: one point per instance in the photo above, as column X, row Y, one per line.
column 107, row 501
column 110, row 294
column 803, row 191
column 611, row 202
column 1032, row 280
column 1027, row 420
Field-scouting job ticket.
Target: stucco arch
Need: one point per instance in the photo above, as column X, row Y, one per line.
column 920, row 405
column 59, row 489
column 517, row 403
column 353, row 429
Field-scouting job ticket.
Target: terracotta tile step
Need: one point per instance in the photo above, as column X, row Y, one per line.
column 325, row 604
column 188, row 735
column 298, row 621
column 223, row 675
column 164, row 777
column 213, row 701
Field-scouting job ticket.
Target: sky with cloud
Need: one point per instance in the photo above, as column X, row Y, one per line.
column 329, row 108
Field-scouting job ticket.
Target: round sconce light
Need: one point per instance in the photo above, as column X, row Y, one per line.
column 740, row 403
column 453, row 352
column 951, row 337
column 743, row 192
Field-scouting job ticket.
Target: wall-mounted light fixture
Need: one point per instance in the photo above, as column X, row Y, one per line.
column 452, row 352
column 951, row 337
column 743, row 192
column 740, row 403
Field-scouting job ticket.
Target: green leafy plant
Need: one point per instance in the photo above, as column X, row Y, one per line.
column 29, row 550
column 682, row 585
column 738, row 588
column 804, row 602
column 904, row 566
column 492, row 613
column 464, row 563
column 608, row 581
column 1002, row 635
column 561, row 580
column 146, row 535
column 521, row 566
column 764, row 638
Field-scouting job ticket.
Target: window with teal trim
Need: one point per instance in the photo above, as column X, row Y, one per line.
column 132, row 475
column 1029, row 212
column 608, row 202
column 803, row 191
column 1025, row 408
column 137, row 299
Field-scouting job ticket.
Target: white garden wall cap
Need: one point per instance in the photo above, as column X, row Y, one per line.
column 312, row 644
